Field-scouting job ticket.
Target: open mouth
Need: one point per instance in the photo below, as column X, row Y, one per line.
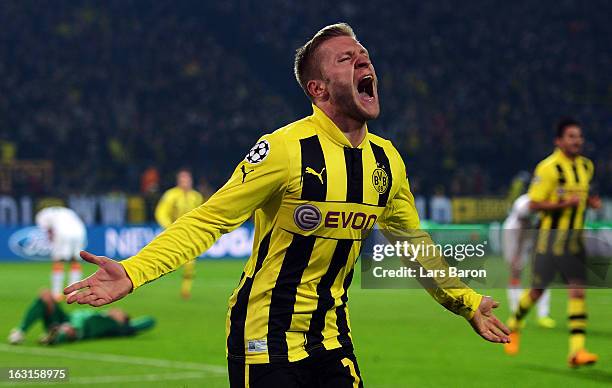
column 365, row 87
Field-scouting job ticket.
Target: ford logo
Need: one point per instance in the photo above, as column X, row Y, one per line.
column 30, row 243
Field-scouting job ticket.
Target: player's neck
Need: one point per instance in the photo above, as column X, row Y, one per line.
column 571, row 157
column 354, row 130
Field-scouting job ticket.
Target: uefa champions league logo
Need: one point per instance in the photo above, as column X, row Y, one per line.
column 30, row 243
column 258, row 153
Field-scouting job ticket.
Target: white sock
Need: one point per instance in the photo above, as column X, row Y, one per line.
column 514, row 294
column 57, row 282
column 76, row 273
column 544, row 304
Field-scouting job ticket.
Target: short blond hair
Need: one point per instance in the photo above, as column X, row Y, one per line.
column 305, row 66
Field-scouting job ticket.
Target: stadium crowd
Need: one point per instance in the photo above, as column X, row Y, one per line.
column 469, row 94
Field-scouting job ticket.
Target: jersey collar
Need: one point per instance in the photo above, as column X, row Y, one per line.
column 332, row 131
column 560, row 155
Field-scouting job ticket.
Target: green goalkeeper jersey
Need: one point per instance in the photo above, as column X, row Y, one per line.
column 92, row 324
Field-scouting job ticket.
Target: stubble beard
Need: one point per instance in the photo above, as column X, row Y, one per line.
column 345, row 100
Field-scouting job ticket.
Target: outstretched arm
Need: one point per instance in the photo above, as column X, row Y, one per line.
column 194, row 232
column 108, row 284
column 401, row 218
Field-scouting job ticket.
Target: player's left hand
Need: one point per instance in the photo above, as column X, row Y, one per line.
column 486, row 324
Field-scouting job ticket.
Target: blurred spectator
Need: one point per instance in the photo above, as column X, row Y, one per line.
column 8, row 150
column 469, row 92
column 149, row 181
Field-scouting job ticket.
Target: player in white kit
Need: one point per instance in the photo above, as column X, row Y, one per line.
column 68, row 237
column 517, row 245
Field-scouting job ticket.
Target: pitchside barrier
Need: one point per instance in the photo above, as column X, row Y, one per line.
column 127, row 209
column 30, row 243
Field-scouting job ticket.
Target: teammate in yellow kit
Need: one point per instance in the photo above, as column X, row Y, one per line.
column 314, row 186
column 173, row 204
column 560, row 192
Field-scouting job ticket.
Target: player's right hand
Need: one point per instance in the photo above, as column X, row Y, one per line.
column 108, row 284
column 594, row 202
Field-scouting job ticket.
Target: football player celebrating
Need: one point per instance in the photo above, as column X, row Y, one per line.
column 314, row 186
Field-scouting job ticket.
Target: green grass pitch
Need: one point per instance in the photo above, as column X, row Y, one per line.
column 402, row 338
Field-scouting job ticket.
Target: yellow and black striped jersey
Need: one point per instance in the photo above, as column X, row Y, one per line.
column 174, row 203
column 313, row 194
column 555, row 178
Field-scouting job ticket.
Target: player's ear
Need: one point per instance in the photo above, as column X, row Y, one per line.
column 317, row 89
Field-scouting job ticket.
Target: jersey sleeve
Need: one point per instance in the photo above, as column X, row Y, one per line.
column 542, row 184
column 262, row 175
column 400, row 212
column 163, row 210
column 590, row 169
column 400, row 221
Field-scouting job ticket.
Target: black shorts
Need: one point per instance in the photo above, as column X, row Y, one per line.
column 571, row 268
column 328, row 368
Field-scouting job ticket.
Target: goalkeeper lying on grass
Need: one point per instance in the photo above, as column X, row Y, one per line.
column 77, row 325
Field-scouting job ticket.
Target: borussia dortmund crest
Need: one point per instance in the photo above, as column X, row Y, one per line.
column 380, row 180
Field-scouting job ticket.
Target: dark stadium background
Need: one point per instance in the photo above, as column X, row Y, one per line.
column 469, row 93
column 96, row 95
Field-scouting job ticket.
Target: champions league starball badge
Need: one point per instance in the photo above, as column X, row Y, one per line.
column 258, row 153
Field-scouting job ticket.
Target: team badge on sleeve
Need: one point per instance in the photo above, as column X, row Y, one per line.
column 258, row 153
